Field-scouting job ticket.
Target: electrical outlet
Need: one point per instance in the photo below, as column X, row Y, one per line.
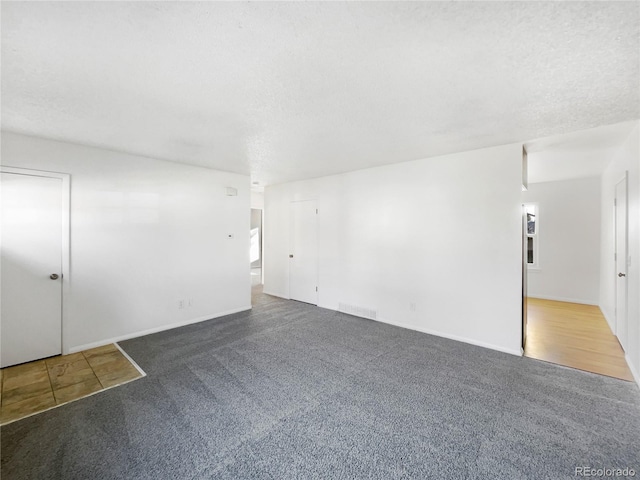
column 412, row 307
column 180, row 304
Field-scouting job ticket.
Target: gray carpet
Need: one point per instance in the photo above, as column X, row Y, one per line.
column 293, row 391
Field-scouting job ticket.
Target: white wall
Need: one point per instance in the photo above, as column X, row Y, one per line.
column 257, row 200
column 627, row 158
column 145, row 233
column 568, row 240
column 443, row 233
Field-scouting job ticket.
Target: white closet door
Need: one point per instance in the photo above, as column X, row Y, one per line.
column 31, row 267
column 303, row 258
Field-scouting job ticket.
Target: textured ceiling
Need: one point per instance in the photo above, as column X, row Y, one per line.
column 287, row 91
column 585, row 153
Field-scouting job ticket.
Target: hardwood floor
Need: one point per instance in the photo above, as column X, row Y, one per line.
column 574, row 335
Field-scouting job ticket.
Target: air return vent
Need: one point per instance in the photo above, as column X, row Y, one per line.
column 357, row 311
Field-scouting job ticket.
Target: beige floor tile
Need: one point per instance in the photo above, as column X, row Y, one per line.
column 79, row 390
column 64, row 359
column 78, row 376
column 24, row 392
column 27, row 407
column 97, row 360
column 100, row 350
column 28, row 378
column 25, row 381
column 121, row 363
column 74, row 370
column 23, row 370
column 118, row 376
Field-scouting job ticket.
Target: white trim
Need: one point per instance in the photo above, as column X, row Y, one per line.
column 564, row 299
column 65, row 242
column 632, row 369
column 525, row 169
column 142, row 333
column 262, row 243
column 131, row 360
column 517, row 351
column 32, row 172
column 275, row 294
column 625, row 181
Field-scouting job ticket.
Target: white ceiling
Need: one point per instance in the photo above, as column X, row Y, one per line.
column 585, row 153
column 286, row 91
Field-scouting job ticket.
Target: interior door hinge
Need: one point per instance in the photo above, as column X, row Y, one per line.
column 316, row 289
column 615, row 202
column 316, row 211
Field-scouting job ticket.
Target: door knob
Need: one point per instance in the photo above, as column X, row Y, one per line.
column 53, row 276
column 622, row 274
column 290, row 256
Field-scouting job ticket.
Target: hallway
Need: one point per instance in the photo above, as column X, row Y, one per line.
column 574, row 335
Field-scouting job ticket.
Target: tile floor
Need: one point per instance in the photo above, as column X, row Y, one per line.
column 37, row 386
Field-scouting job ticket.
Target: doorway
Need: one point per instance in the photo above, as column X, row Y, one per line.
column 255, row 252
column 303, row 254
column 564, row 323
column 33, row 263
column 526, row 257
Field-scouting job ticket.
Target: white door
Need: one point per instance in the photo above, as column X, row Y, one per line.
column 621, row 261
column 303, row 257
column 31, row 267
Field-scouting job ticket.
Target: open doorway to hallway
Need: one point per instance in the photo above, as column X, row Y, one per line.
column 564, row 323
column 255, row 253
column 574, row 335
column 576, row 252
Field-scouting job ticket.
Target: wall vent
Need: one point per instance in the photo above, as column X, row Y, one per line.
column 358, row 311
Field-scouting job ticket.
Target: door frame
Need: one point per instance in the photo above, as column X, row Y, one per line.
column 65, row 241
column 525, row 278
column 617, row 319
column 260, row 243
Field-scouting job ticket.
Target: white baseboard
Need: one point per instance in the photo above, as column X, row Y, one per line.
column 517, row 352
column 565, row 299
column 608, row 318
column 162, row 328
column 633, row 370
column 276, row 294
